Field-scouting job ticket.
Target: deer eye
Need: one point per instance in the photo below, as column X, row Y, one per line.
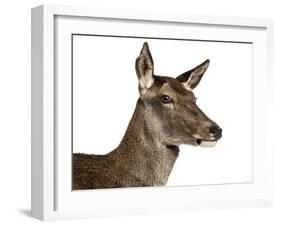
column 166, row 99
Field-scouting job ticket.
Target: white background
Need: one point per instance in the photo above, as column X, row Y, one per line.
column 15, row 112
column 105, row 91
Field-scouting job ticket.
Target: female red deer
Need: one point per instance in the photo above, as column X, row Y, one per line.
column 166, row 116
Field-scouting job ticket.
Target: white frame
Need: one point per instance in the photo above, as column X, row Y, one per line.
column 43, row 120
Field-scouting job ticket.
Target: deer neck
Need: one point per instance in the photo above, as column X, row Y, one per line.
column 143, row 153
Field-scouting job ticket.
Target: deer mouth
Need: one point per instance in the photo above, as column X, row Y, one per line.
column 206, row 143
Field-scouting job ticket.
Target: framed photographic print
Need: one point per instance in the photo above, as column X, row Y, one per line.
column 137, row 112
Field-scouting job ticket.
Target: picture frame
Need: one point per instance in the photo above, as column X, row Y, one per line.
column 52, row 197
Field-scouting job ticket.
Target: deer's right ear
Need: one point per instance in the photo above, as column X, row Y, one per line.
column 144, row 68
column 191, row 78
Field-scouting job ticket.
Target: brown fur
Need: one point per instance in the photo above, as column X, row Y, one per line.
column 128, row 165
column 150, row 146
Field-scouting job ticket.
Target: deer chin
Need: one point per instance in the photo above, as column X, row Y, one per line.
column 206, row 143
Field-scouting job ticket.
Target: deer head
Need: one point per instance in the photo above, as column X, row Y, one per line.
column 170, row 105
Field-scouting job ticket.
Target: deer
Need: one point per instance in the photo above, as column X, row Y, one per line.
column 165, row 117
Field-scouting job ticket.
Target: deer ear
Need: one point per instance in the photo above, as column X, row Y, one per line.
column 144, row 68
column 192, row 77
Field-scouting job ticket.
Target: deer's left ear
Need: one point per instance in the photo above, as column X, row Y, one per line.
column 192, row 77
column 144, row 68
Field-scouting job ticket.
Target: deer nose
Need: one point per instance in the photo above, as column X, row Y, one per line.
column 215, row 131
